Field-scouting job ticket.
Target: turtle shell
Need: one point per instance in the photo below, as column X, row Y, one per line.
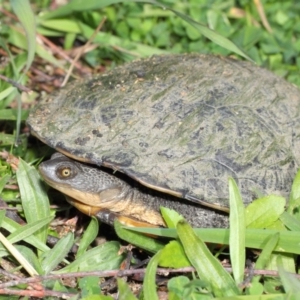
column 181, row 124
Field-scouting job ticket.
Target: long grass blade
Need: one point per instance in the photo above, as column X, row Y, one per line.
column 149, row 285
column 237, row 232
column 207, row 266
column 25, row 14
column 34, row 198
column 255, row 238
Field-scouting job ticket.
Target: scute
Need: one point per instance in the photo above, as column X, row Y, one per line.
column 183, row 124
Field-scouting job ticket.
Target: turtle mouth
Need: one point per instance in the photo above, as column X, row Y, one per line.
column 84, row 208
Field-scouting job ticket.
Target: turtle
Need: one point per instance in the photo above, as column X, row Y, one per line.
column 172, row 129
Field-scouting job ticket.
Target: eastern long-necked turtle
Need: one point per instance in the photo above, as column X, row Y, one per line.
column 177, row 124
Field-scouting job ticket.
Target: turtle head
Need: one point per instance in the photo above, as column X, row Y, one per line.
column 82, row 183
column 95, row 192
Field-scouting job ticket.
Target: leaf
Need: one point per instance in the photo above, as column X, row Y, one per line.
column 12, row 114
column 170, row 216
column 30, row 257
column 295, row 194
column 102, row 257
column 137, row 239
column 290, row 283
column 7, row 140
column 11, row 58
column 213, row 36
column 2, row 216
column 24, row 13
column 89, row 286
column 34, row 198
column 261, row 297
column 65, row 25
column 3, row 180
column 89, row 236
column 290, row 221
column 28, row 230
column 19, row 40
column 176, row 287
column 124, row 291
column 5, row 93
column 54, row 256
column 11, row 226
column 264, row 257
column 237, row 232
column 17, row 255
column 149, row 285
column 173, row 256
column 255, row 288
column 263, row 212
column 207, row 266
column 288, row 261
column 255, row 238
column 114, row 41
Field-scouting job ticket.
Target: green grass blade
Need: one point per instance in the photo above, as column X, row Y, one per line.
column 34, row 198
column 27, row 230
column 104, row 38
column 207, row 266
column 103, row 257
column 290, row 221
column 11, row 57
column 19, row 115
column 24, row 12
column 11, row 226
column 88, row 237
column 7, row 140
column 149, row 285
column 237, row 232
column 17, row 255
column 54, row 256
column 124, row 291
column 62, row 25
column 30, row 258
column 78, row 5
column 295, row 194
column 290, row 283
column 260, row 297
column 255, row 238
column 177, row 287
column 213, row 36
column 265, row 211
column 137, row 239
column 170, row 216
column 3, row 181
column 19, row 40
column 2, row 216
column 8, row 91
column 264, row 256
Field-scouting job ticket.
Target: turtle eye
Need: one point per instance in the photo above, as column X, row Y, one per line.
column 64, row 172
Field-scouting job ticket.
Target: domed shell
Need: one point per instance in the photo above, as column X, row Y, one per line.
column 182, row 124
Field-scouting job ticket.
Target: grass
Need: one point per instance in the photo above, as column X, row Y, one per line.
column 266, row 34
